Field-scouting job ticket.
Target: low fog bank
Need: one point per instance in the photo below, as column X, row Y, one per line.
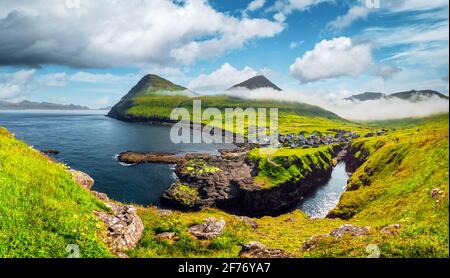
column 382, row 109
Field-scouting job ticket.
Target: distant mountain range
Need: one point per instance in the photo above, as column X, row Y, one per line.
column 257, row 82
column 31, row 105
column 412, row 95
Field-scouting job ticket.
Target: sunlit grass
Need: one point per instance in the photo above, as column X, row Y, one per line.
column 42, row 210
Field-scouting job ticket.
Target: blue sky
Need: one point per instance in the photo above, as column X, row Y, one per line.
column 93, row 53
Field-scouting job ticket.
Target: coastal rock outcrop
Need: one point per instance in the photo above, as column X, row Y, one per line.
column 149, row 157
column 227, row 182
column 258, row 250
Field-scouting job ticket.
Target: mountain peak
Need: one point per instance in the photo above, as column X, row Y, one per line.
column 257, row 82
column 152, row 83
column 156, row 81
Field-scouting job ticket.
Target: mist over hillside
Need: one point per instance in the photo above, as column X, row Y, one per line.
column 379, row 109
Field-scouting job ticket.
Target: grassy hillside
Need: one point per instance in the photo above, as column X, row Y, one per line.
column 404, row 180
column 154, row 98
column 159, row 106
column 394, row 186
column 42, row 210
column 288, row 164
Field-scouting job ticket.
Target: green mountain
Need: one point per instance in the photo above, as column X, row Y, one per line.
column 154, row 98
column 149, row 85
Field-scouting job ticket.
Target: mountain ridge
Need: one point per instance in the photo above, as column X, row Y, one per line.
column 413, row 95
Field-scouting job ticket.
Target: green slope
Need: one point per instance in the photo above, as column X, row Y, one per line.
column 398, row 176
column 42, row 210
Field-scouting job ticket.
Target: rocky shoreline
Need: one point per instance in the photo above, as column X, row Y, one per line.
column 226, row 181
column 124, row 227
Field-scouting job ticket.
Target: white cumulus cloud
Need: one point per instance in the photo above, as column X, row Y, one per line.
column 105, row 33
column 332, row 58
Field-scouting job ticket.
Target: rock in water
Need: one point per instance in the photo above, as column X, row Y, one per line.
column 53, row 152
column 209, row 229
column 82, row 179
column 124, row 227
column 258, row 250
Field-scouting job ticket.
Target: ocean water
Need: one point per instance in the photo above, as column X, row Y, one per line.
column 89, row 141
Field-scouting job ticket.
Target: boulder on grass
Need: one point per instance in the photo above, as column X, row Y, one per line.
column 124, row 227
column 256, row 249
column 209, row 229
column 82, row 179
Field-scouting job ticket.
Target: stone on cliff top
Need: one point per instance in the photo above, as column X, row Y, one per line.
column 249, row 221
column 392, row 229
column 258, row 250
column 165, row 212
column 167, row 235
column 101, row 196
column 124, row 227
column 209, row 229
column 82, row 179
column 351, row 230
column 337, row 233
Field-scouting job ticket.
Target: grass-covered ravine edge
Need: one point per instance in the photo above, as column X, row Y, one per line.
column 401, row 179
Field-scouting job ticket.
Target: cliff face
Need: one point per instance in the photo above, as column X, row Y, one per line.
column 282, row 198
column 227, row 182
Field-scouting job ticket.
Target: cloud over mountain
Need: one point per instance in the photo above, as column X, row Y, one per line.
column 380, row 109
column 223, row 78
